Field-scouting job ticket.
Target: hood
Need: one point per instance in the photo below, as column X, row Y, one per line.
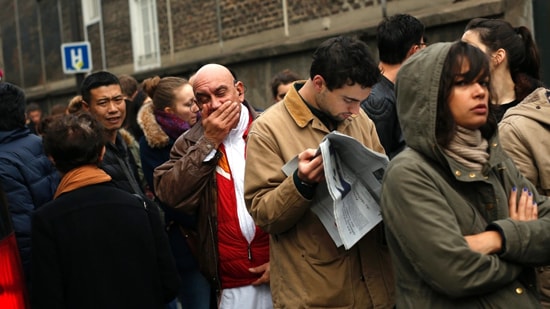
column 535, row 106
column 417, row 88
column 152, row 131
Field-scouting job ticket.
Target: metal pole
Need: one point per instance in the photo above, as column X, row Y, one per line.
column 384, row 8
column 77, row 37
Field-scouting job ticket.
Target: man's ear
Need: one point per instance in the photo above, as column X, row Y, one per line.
column 318, row 82
column 240, row 89
column 414, row 49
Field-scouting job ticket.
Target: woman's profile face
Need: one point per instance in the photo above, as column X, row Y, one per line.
column 185, row 106
column 469, row 100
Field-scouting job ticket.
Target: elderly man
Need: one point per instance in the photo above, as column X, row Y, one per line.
column 205, row 176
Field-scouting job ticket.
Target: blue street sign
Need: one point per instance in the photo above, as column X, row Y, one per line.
column 77, row 57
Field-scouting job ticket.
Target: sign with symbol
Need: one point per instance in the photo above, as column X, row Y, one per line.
column 77, row 57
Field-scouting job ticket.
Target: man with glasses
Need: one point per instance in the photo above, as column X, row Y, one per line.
column 399, row 37
column 205, row 177
column 102, row 97
column 308, row 270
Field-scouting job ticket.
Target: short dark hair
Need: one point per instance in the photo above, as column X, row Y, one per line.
column 74, row 140
column 12, row 107
column 344, row 61
column 452, row 67
column 283, row 77
column 396, row 35
column 95, row 80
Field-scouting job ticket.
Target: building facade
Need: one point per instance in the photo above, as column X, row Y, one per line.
column 255, row 38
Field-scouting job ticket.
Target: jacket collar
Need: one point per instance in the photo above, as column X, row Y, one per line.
column 153, row 132
column 496, row 158
column 302, row 115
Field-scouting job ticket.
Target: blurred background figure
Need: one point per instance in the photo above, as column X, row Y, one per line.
column 134, row 97
column 27, row 176
column 281, row 82
column 34, row 116
column 58, row 109
column 172, row 112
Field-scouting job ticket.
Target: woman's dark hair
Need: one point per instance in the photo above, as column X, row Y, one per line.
column 521, row 50
column 74, row 140
column 459, row 53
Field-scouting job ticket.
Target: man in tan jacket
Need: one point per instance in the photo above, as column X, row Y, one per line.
column 307, row 269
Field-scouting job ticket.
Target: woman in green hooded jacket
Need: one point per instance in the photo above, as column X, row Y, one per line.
column 464, row 227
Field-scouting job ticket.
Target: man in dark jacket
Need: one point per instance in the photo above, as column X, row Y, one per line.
column 398, row 37
column 27, row 176
column 102, row 96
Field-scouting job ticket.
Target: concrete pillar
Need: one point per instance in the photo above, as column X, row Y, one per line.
column 541, row 9
column 519, row 13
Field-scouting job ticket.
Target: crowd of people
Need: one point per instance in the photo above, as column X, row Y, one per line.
column 170, row 192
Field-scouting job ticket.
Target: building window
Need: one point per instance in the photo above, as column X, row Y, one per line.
column 90, row 11
column 145, row 40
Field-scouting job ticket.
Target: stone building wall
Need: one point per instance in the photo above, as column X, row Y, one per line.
column 253, row 37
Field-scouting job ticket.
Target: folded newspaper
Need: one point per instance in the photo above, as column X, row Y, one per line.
column 348, row 202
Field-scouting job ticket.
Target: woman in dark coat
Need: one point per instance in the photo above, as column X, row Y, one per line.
column 96, row 245
column 171, row 113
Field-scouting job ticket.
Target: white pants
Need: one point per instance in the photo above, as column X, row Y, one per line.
column 247, row 297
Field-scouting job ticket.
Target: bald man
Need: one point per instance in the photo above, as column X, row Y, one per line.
column 205, row 177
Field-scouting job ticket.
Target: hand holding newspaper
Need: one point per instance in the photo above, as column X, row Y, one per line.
column 348, row 202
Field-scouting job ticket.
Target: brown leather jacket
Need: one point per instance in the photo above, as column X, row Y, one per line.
column 188, row 184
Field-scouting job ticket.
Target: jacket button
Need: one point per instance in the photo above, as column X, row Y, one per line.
column 519, row 291
column 458, row 173
column 472, row 175
column 494, row 144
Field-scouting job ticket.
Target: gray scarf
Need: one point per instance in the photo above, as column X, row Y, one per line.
column 468, row 148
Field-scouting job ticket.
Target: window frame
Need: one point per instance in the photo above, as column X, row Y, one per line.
column 145, row 34
column 91, row 11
